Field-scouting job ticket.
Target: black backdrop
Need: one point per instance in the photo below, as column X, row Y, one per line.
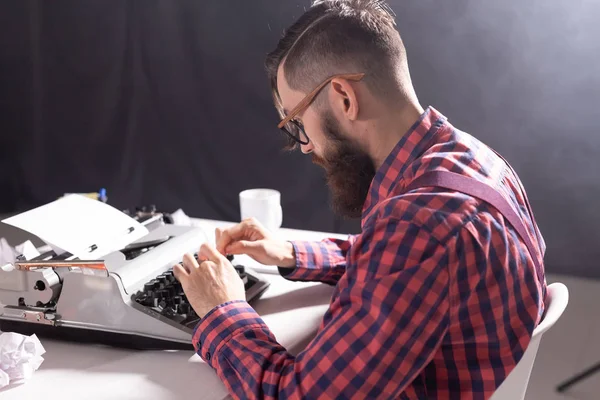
column 166, row 102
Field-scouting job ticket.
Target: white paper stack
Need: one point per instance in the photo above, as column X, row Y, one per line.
column 86, row 228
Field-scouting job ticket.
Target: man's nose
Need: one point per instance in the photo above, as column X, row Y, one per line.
column 307, row 148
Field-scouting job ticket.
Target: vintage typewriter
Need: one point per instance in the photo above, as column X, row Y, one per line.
column 130, row 298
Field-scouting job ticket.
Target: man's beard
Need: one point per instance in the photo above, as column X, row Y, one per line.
column 349, row 170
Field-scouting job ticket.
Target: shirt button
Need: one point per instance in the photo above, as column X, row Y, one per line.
column 207, row 356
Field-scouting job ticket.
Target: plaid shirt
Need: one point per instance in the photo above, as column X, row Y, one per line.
column 436, row 298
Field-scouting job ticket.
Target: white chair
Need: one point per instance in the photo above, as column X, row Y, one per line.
column 515, row 385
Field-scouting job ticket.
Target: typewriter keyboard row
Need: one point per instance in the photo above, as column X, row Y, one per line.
column 165, row 296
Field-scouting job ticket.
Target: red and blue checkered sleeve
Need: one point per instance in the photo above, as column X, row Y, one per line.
column 377, row 335
column 323, row 261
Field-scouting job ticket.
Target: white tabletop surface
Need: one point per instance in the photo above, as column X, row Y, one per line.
column 292, row 310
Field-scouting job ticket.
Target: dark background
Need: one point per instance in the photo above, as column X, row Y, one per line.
column 166, row 102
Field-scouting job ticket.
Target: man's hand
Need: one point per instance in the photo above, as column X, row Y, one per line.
column 212, row 282
column 251, row 238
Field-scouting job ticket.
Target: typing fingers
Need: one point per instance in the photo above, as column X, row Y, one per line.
column 189, row 262
column 208, row 252
column 181, row 274
column 243, row 247
column 227, row 236
column 218, row 232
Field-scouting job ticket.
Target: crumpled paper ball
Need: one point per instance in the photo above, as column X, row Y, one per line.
column 20, row 356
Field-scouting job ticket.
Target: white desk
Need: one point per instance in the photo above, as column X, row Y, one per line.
column 292, row 310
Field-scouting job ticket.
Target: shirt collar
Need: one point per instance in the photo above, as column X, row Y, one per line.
column 410, row 147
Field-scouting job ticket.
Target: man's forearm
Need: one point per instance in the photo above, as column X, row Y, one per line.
column 323, row 261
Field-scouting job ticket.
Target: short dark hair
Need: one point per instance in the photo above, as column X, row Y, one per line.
column 341, row 36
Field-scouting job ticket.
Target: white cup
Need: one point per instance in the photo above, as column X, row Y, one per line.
column 264, row 205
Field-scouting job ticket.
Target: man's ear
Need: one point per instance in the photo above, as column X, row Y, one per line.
column 343, row 98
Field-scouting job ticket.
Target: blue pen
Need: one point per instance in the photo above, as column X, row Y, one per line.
column 102, row 195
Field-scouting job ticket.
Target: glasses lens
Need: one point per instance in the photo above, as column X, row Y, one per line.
column 291, row 141
column 296, row 131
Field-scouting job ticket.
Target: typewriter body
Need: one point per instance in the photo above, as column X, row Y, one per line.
column 130, row 298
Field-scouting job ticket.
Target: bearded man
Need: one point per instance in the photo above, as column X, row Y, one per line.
column 439, row 294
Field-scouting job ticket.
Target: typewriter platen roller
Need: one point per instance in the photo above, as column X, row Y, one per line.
column 130, row 298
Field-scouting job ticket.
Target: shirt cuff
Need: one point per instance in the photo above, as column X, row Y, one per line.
column 301, row 252
column 220, row 324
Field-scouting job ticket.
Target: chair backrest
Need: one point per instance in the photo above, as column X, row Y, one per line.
column 515, row 384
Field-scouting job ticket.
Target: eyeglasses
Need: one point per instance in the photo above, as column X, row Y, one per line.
column 292, row 127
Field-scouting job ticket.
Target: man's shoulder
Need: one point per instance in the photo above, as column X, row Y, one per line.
column 439, row 212
column 460, row 152
column 443, row 212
